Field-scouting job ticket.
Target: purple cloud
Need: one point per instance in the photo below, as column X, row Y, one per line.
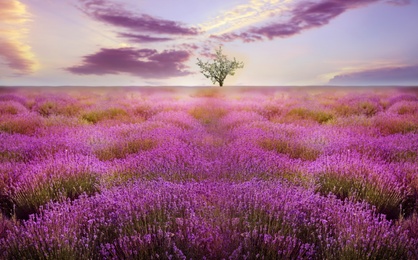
column 15, row 57
column 272, row 31
column 137, row 38
column 144, row 63
column 117, row 15
column 146, row 23
column 407, row 75
column 170, row 56
column 399, row 2
column 305, row 15
column 188, row 46
column 245, row 37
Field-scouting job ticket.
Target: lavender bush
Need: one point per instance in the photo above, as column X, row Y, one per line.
column 208, row 174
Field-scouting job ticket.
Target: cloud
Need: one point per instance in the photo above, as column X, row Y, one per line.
column 146, row 23
column 245, row 14
column 302, row 16
column 117, row 15
column 308, row 15
column 399, row 2
column 137, row 38
column 245, row 37
column 17, row 56
column 13, row 11
column 136, row 28
column 145, row 63
column 188, row 46
column 13, row 51
column 399, row 75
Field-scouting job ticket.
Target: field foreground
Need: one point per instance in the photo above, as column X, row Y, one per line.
column 261, row 173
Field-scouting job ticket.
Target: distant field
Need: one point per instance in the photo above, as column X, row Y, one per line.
column 208, row 173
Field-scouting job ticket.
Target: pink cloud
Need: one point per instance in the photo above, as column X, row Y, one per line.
column 188, row 46
column 16, row 57
column 14, row 52
column 407, row 75
column 137, row 38
column 170, row 56
column 245, row 37
column 117, row 15
column 303, row 16
column 146, row 23
column 145, row 63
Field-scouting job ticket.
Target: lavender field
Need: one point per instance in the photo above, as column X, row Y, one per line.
column 183, row 173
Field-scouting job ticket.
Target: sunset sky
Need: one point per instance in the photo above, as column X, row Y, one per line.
column 156, row 43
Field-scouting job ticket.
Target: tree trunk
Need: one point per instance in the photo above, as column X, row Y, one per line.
column 221, row 83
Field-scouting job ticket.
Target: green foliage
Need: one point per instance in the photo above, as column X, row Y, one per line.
column 5, row 225
column 294, row 150
column 208, row 93
column 20, row 125
column 28, row 200
column 47, row 108
column 395, row 125
column 120, row 151
column 365, row 108
column 387, row 201
column 409, row 108
column 8, row 109
column 53, row 108
column 100, row 115
column 33, row 252
column 207, row 115
column 318, row 116
column 143, row 111
column 220, row 68
column 10, row 156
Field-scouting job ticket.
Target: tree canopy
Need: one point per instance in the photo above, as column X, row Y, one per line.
column 221, row 67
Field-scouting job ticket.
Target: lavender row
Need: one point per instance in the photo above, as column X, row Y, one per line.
column 208, row 220
column 355, row 152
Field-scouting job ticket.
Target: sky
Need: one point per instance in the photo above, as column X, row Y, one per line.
column 157, row 43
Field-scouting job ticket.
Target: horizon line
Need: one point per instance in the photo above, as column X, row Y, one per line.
column 224, row 87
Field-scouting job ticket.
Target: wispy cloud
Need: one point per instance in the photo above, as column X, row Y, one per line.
column 138, row 38
column 245, row 14
column 399, row 2
column 16, row 54
column 146, row 63
column 117, row 15
column 135, row 28
column 298, row 17
column 395, row 75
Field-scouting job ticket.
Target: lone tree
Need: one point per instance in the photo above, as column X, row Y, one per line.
column 219, row 68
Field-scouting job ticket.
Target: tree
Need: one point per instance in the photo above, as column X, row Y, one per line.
column 219, row 68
